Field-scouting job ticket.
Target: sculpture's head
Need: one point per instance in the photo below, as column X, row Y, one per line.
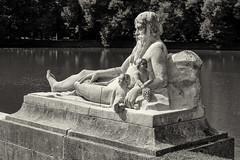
column 142, row 63
column 124, row 79
column 148, row 19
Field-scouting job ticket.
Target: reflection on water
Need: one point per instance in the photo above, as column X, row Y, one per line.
column 23, row 71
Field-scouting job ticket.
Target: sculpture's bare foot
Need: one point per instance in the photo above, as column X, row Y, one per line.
column 51, row 79
column 116, row 107
column 119, row 107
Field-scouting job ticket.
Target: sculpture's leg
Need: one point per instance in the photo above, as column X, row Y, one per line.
column 93, row 93
column 66, row 84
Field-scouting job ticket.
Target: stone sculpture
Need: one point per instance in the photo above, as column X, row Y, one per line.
column 69, row 127
column 143, row 78
column 119, row 93
column 150, row 47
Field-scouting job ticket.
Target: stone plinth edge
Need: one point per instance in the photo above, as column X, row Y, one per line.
column 148, row 118
column 61, row 128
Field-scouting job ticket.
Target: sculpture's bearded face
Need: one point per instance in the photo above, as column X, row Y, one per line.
column 148, row 31
column 140, row 31
column 147, row 24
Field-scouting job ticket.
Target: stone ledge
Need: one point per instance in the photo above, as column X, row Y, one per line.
column 3, row 115
column 149, row 118
column 124, row 136
column 42, row 141
column 15, row 152
column 222, row 148
column 63, row 127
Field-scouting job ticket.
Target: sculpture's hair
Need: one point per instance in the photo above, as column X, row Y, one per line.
column 140, row 61
column 122, row 78
column 153, row 20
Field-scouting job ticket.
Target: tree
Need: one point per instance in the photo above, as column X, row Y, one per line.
column 73, row 18
column 172, row 13
column 3, row 20
column 192, row 19
column 119, row 23
column 236, row 12
column 218, row 21
column 93, row 12
column 49, row 21
column 20, row 18
column 181, row 19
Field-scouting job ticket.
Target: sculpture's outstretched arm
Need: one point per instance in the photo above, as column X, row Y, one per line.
column 108, row 73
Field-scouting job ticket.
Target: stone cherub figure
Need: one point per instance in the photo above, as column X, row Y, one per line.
column 149, row 46
column 143, row 78
column 119, row 93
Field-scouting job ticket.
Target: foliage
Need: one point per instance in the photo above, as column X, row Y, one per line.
column 218, row 21
column 19, row 17
column 119, row 23
column 49, row 21
column 192, row 19
column 180, row 18
column 93, row 12
column 72, row 16
column 236, row 12
column 3, row 20
column 110, row 20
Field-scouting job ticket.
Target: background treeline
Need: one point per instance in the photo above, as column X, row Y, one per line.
column 216, row 21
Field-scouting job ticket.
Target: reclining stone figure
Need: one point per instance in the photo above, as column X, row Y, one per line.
column 163, row 65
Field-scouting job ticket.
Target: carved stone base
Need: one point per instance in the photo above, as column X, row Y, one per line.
column 56, row 127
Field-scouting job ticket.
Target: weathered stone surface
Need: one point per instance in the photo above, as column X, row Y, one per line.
column 35, row 104
column 184, row 85
column 31, row 138
column 221, row 148
column 83, row 149
column 185, row 155
column 45, row 128
column 10, row 151
column 159, row 102
column 2, row 115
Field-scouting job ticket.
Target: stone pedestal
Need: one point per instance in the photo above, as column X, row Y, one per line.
column 51, row 127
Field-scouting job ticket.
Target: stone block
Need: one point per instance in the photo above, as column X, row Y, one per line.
column 86, row 150
column 55, row 120
column 40, row 131
column 10, row 151
column 184, row 85
column 68, row 116
column 31, row 138
column 3, row 115
column 184, row 132
column 51, row 100
column 109, row 130
column 222, row 148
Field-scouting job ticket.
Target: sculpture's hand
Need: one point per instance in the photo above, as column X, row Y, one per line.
column 92, row 76
column 131, row 96
column 95, row 75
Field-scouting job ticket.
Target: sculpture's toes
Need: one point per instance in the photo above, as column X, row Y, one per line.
column 49, row 74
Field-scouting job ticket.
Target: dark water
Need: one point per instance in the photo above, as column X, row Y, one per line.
column 23, row 71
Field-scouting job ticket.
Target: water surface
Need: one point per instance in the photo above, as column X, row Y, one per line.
column 23, row 71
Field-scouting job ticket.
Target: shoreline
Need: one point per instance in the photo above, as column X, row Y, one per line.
column 117, row 44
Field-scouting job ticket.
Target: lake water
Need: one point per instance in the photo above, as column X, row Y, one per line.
column 23, row 71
